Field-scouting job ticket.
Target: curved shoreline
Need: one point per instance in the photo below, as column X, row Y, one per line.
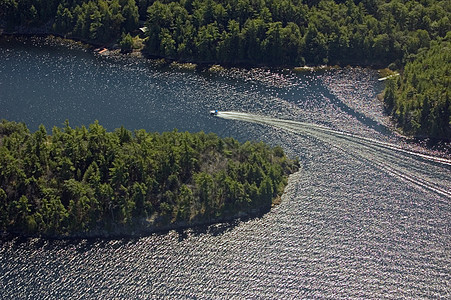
column 136, row 231
column 147, row 193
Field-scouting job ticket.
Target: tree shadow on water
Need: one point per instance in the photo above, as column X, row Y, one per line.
column 214, row 229
column 77, row 244
column 86, row 244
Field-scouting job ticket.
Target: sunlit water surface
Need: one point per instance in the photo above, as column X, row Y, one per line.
column 366, row 217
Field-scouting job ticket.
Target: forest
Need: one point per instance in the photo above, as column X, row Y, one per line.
column 270, row 32
column 79, row 180
column 420, row 100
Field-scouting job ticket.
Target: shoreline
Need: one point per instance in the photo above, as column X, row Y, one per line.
column 113, row 49
column 142, row 228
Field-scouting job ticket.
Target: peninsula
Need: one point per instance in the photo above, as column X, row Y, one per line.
column 90, row 182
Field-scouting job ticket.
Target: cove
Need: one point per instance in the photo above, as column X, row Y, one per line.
column 367, row 218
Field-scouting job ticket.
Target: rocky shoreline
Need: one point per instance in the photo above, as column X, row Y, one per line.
column 113, row 50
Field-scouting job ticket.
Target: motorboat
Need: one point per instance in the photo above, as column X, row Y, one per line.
column 214, row 112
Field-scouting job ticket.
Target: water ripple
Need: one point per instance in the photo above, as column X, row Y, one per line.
column 366, row 218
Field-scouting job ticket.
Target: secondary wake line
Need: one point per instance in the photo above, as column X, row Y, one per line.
column 385, row 156
column 380, row 162
column 267, row 120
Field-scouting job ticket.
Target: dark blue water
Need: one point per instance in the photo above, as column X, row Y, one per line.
column 365, row 218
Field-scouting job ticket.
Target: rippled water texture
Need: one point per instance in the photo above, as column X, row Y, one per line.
column 366, row 217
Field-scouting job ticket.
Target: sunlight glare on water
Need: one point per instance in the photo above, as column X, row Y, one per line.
column 365, row 218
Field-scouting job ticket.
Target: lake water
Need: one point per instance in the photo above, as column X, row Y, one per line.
column 368, row 216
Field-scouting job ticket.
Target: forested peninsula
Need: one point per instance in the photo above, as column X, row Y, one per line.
column 90, row 182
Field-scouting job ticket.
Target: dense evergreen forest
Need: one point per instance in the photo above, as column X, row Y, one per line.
column 271, row 32
column 420, row 100
column 85, row 179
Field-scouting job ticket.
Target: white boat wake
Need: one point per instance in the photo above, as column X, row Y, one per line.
column 423, row 171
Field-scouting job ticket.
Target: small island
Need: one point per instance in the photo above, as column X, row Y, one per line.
column 87, row 182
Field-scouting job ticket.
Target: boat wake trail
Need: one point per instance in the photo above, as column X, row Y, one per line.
column 423, row 171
